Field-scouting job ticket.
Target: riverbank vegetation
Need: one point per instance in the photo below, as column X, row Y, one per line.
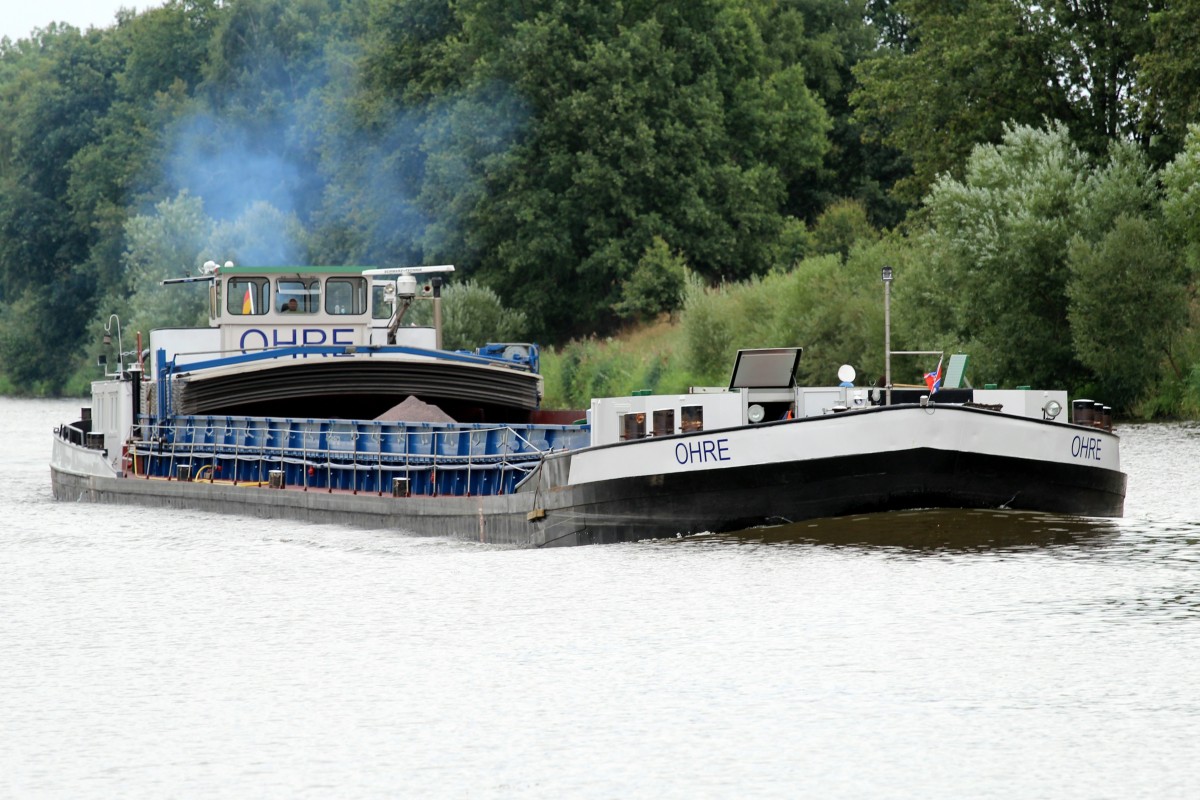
column 644, row 186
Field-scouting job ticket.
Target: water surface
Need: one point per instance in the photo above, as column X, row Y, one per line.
column 148, row 653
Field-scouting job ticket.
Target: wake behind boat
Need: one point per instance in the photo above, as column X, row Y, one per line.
column 307, row 398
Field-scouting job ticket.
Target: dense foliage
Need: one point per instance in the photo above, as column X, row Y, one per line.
column 747, row 166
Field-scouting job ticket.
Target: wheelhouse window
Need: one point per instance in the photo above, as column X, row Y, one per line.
column 298, row 295
column 382, row 306
column 344, row 296
column 248, row 296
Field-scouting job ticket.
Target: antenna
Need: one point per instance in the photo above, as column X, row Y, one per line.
column 189, row 279
column 385, row 271
column 208, row 271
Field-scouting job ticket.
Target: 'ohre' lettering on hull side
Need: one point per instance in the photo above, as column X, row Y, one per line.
column 702, row 451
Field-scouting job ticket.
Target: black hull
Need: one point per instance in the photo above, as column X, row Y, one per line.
column 734, row 499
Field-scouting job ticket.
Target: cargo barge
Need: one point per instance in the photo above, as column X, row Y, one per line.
column 307, row 398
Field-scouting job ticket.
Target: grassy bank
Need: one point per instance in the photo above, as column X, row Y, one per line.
column 645, row 357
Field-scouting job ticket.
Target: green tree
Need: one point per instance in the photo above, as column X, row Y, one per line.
column 262, row 236
column 170, row 243
column 656, row 285
column 830, row 307
column 1127, row 307
column 1059, row 269
column 572, row 133
column 472, row 315
column 710, row 330
column 840, row 226
column 830, row 38
column 1181, row 201
column 167, row 45
column 1169, row 72
column 963, row 70
column 1181, row 215
column 1003, row 231
column 834, row 309
column 162, row 52
column 1097, row 47
column 56, row 90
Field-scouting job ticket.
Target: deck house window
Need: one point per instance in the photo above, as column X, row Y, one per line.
column 633, row 426
column 248, row 296
column 691, row 419
column 345, row 296
column 664, row 422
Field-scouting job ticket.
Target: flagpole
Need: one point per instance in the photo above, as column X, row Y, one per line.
column 887, row 333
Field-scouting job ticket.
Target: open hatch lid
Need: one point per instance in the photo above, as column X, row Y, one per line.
column 766, row 368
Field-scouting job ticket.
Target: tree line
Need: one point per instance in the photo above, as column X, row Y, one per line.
column 1028, row 169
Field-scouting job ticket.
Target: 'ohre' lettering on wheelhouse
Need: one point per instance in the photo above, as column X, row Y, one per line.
column 257, row 338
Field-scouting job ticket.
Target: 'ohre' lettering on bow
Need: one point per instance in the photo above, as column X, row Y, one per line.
column 1086, row 447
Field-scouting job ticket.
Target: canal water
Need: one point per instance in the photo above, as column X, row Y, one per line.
column 149, row 654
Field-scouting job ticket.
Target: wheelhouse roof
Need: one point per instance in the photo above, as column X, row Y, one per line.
column 300, row 270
